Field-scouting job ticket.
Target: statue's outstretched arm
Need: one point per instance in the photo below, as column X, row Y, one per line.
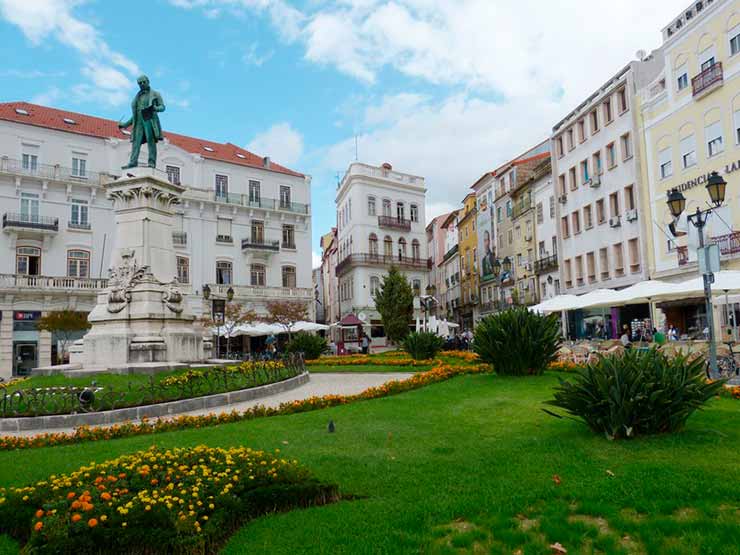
column 124, row 125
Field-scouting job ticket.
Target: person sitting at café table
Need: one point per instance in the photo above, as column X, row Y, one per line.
column 625, row 337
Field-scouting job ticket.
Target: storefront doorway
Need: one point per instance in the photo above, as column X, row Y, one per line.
column 25, row 357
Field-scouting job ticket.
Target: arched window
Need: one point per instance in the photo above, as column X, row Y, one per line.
column 371, row 206
column 374, row 284
column 401, row 248
column 223, row 272
column 373, row 244
column 78, row 264
column 28, row 261
column 386, row 207
column 415, row 250
column 289, row 276
column 387, row 246
column 257, row 275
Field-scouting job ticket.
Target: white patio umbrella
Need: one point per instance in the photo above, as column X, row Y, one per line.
column 432, row 324
column 444, row 329
column 647, row 291
column 726, row 280
column 556, row 304
column 599, row 297
column 309, row 326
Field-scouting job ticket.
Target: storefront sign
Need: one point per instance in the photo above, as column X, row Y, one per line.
column 26, row 315
column 702, row 179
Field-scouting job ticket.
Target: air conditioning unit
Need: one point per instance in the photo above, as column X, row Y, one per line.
column 631, row 215
column 595, row 181
column 562, row 199
column 615, row 221
column 528, row 266
column 527, row 236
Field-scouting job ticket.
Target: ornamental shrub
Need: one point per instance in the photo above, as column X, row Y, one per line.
column 423, row 345
column 177, row 501
column 312, row 346
column 637, row 393
column 517, row 342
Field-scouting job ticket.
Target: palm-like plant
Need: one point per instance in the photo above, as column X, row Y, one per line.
column 637, row 393
column 518, row 342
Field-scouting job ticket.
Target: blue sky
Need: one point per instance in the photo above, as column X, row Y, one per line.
column 447, row 89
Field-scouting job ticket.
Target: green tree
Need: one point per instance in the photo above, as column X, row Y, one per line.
column 65, row 324
column 286, row 314
column 394, row 300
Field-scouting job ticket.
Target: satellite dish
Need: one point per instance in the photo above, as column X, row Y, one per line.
column 362, row 316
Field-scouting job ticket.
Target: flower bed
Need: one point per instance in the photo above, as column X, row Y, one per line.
column 156, row 501
column 439, row 373
column 102, row 396
column 391, row 358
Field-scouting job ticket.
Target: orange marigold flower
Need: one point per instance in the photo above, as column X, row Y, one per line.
column 71, row 495
column 38, row 526
column 39, row 513
column 92, row 523
column 76, row 505
column 105, row 496
column 76, row 517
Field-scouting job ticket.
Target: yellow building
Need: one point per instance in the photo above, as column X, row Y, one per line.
column 468, row 252
column 691, row 127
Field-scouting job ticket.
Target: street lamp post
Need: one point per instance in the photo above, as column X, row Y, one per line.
column 716, row 187
column 218, row 311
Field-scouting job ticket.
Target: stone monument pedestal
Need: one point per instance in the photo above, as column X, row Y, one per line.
column 141, row 319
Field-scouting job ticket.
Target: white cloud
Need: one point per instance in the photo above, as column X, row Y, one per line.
column 253, row 57
column 315, row 260
column 104, row 68
column 451, row 142
column 48, row 97
column 280, row 142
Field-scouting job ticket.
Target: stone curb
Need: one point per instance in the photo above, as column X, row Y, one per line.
column 170, row 408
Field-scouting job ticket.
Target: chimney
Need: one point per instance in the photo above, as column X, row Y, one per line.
column 266, row 162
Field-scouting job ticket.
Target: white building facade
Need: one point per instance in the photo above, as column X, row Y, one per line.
column 244, row 223
column 380, row 223
column 595, row 165
column 546, row 262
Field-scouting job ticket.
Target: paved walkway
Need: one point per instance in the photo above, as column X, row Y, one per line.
column 318, row 385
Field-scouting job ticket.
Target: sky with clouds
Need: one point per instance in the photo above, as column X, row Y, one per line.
column 447, row 89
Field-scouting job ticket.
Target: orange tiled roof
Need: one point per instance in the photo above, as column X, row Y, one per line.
column 51, row 118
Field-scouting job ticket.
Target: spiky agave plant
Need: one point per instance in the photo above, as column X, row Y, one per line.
column 638, row 393
column 517, row 342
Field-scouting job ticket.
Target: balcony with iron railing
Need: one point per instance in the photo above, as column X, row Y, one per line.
column 180, row 238
column 260, row 244
column 393, row 222
column 521, row 208
column 51, row 172
column 84, row 226
column 372, row 259
column 729, row 247
column 546, row 264
column 17, row 282
column 14, row 220
column 251, row 201
column 708, row 80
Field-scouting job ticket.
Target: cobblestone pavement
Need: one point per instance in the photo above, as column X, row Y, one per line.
column 318, row 385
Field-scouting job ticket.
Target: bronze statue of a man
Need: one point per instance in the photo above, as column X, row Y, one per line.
column 147, row 129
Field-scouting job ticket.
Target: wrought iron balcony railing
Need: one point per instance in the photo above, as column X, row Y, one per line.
column 371, row 259
column 261, row 244
column 251, row 201
column 546, row 264
column 30, row 221
column 707, row 80
column 394, row 223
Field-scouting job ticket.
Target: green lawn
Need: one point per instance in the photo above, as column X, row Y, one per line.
column 467, row 466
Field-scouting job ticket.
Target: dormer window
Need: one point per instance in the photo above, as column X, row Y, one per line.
column 240, row 155
column 21, row 112
column 69, row 121
column 208, row 149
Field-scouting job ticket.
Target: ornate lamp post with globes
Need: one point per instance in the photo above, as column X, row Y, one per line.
column 716, row 187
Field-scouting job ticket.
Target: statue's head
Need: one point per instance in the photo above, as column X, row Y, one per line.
column 143, row 82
